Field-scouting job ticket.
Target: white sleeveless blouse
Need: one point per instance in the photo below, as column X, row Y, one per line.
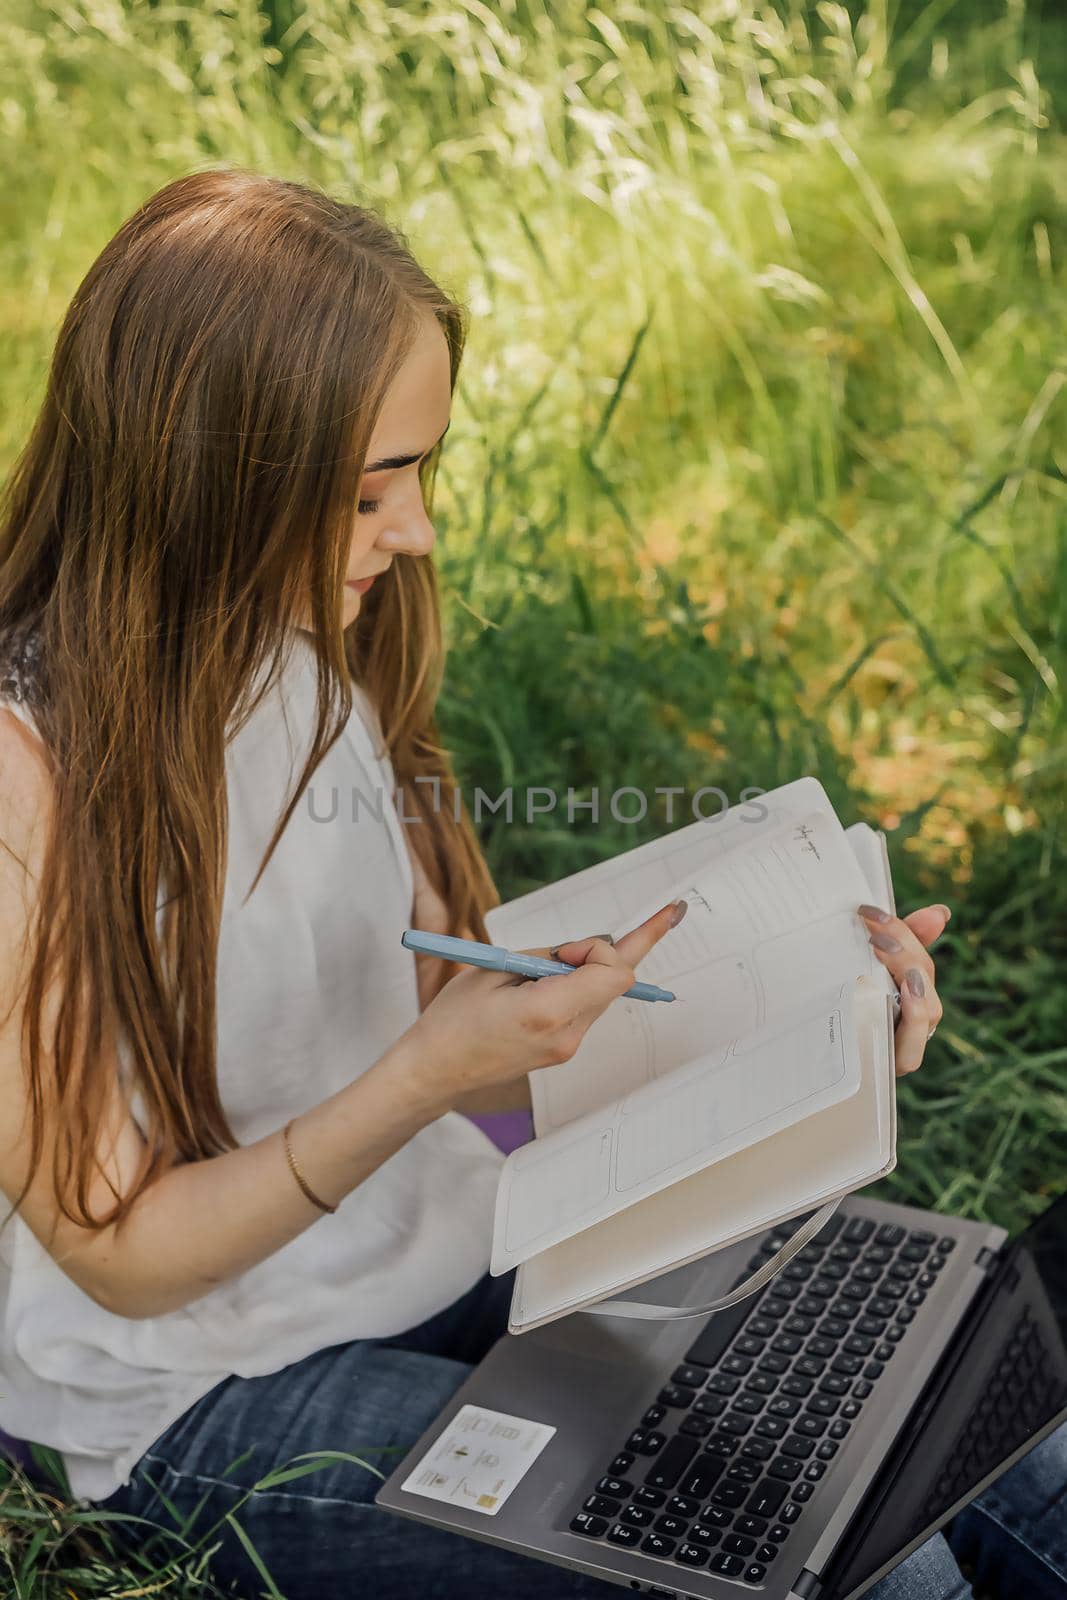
column 313, row 986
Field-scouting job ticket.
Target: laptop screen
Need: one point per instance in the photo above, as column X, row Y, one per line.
column 1004, row 1380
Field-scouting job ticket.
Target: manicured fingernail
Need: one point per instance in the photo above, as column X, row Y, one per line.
column 915, row 982
column 873, row 914
column 680, row 909
column 946, row 909
column 885, row 941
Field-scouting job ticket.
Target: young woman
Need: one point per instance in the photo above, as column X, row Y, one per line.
column 248, row 1219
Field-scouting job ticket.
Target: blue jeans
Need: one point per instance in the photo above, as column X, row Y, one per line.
column 321, row 1537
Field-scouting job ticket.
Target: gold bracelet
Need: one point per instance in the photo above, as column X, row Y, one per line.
column 298, row 1175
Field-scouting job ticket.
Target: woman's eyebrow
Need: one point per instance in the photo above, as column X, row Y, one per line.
column 389, row 462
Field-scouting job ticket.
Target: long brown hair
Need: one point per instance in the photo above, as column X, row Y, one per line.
column 191, row 478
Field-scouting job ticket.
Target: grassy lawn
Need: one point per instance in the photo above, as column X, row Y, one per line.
column 757, row 466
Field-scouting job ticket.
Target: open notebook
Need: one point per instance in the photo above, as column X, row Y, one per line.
column 764, row 1090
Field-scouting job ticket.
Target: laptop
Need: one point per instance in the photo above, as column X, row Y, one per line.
column 799, row 1444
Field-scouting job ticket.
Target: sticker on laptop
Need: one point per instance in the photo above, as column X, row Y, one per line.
column 479, row 1459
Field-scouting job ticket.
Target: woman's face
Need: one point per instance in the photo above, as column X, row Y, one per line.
column 391, row 515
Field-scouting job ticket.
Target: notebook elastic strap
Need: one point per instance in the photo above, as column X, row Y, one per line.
column 751, row 1285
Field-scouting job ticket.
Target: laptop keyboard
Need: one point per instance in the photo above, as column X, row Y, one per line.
column 722, row 1465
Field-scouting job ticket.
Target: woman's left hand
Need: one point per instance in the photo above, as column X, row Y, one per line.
column 912, row 969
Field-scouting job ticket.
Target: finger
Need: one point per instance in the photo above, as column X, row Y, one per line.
column 636, row 944
column 604, row 971
column 928, row 923
column 896, row 943
column 554, row 955
column 916, row 1020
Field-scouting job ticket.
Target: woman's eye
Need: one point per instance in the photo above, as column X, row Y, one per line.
column 369, row 507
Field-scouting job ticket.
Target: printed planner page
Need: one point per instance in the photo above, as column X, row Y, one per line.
column 767, row 926
column 728, row 1099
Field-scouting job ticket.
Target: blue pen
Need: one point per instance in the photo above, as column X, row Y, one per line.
column 496, row 959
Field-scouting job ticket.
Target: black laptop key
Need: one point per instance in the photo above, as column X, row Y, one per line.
column 765, row 1498
column 680, row 1505
column 711, row 1405
column 637, row 1516
column 761, row 1382
column 672, row 1527
column 890, row 1233
column 771, row 1427
column 755, row 1572
column 622, row 1463
column 691, row 1555
column 654, row 1416
column 717, row 1333
column 738, row 1544
column 673, row 1460
column 757, row 1449
column 591, row 1526
column 601, row 1506
column 723, row 1383
column 697, row 1427
column 766, row 1552
column 703, row 1533
column 622, row 1533
column 675, row 1394
column 736, row 1423
column 772, row 1307
column 722, row 1444
column 811, row 1427
column 742, row 1471
column 824, row 1405
column 773, row 1362
column 791, row 1512
column 797, row 1446
column 859, row 1230
column 777, row 1533
column 644, row 1496
column 802, row 1491
column 689, row 1376
column 726, row 1565
column 699, row 1481
column 728, row 1494
column 656, row 1545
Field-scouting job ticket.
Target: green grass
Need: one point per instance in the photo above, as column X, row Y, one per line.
column 757, row 466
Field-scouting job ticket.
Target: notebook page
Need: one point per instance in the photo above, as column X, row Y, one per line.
column 769, row 923
column 735, row 1095
column 847, row 1146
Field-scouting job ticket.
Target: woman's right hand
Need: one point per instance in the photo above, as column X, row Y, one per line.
column 487, row 1028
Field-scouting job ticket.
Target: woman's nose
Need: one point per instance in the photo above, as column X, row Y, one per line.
column 413, row 534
